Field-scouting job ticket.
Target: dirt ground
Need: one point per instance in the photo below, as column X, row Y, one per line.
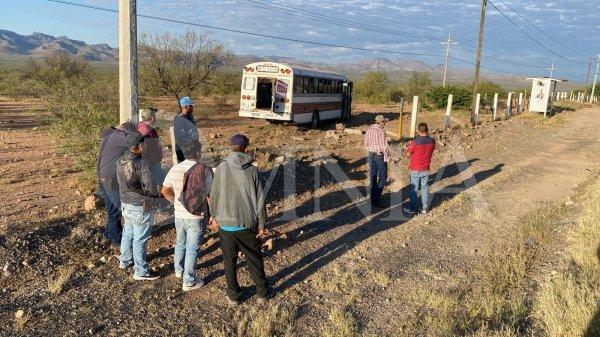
column 337, row 252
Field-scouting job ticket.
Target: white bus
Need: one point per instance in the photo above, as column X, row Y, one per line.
column 277, row 91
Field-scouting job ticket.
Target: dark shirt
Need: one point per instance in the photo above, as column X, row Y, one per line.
column 136, row 182
column 112, row 146
column 421, row 150
column 185, row 129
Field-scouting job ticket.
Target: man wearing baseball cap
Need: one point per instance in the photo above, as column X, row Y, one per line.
column 137, row 189
column 184, row 126
column 237, row 207
column 377, row 146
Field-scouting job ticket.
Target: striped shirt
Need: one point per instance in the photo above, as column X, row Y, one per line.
column 376, row 141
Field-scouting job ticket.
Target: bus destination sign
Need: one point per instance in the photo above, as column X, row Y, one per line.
column 267, row 69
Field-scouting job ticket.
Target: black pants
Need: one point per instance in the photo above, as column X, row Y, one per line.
column 245, row 241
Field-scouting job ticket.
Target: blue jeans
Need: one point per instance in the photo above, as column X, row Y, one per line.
column 419, row 181
column 112, row 202
column 159, row 174
column 189, row 237
column 378, row 177
column 136, row 233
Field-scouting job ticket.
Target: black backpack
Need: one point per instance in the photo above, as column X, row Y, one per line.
column 193, row 195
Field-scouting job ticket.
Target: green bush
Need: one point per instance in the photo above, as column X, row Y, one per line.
column 373, row 88
column 418, row 84
column 461, row 96
column 395, row 95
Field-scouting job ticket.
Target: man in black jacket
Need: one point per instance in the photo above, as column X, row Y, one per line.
column 137, row 189
column 112, row 146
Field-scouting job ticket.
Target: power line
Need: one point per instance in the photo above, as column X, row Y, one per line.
column 543, row 32
column 531, row 37
column 324, row 44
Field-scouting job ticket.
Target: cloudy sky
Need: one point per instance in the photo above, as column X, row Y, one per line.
column 400, row 26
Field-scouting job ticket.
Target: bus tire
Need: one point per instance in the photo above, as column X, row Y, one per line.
column 315, row 121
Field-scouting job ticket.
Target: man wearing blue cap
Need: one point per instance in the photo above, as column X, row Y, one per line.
column 237, row 207
column 184, row 126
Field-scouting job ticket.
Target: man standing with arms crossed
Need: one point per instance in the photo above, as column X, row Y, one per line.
column 379, row 153
column 419, row 151
column 184, row 126
column 237, row 207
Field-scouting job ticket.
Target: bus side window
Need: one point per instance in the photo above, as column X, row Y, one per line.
column 297, row 84
column 320, row 88
column 329, row 87
column 311, row 85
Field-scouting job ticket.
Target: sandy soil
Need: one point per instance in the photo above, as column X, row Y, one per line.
column 338, row 252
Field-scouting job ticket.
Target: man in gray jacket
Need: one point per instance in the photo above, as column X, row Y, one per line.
column 237, row 206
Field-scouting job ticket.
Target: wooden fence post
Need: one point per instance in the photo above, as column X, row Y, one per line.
column 448, row 111
column 413, row 117
column 400, row 120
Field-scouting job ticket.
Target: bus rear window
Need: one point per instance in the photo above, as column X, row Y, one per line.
column 249, row 83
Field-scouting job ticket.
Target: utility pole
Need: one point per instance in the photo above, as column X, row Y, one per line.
column 128, row 80
column 552, row 69
column 478, row 62
column 595, row 78
column 447, row 56
column 587, row 77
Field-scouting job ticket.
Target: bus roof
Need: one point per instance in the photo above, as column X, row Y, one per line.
column 302, row 70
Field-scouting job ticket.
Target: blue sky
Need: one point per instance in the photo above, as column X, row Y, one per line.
column 574, row 23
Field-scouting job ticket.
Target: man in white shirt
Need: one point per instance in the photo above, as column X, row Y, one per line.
column 189, row 227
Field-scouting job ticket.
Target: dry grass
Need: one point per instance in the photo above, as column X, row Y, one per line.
column 21, row 321
column 58, row 284
column 276, row 319
column 341, row 324
column 567, row 304
column 339, row 280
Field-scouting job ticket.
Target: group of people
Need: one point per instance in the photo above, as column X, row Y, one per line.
column 228, row 199
column 419, row 151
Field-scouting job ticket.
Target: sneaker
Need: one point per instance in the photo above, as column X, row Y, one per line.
column 149, row 277
column 424, row 211
column 408, row 210
column 188, row 287
column 233, row 303
column 178, row 275
column 125, row 266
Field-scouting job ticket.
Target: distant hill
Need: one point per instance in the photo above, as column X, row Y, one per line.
column 13, row 45
column 40, row 45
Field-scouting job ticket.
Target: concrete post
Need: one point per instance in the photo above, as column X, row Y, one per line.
column 448, row 111
column 172, row 137
column 413, row 117
column 477, row 104
column 508, row 103
column 128, row 81
column 495, row 107
column 520, row 108
column 400, row 120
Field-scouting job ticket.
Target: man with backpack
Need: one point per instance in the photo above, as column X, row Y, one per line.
column 187, row 185
column 237, row 207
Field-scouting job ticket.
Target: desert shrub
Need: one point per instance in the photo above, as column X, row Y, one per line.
column 417, row 84
column 373, row 88
column 396, row 95
column 487, row 89
column 223, row 84
column 439, row 96
column 79, row 105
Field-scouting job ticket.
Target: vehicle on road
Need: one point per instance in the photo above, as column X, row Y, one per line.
column 280, row 92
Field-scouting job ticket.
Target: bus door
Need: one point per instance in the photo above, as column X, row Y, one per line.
column 346, row 100
column 280, row 97
column 264, row 93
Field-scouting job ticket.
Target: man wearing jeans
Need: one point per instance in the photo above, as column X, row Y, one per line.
column 137, row 189
column 189, row 227
column 419, row 151
column 237, row 205
column 377, row 146
column 112, row 146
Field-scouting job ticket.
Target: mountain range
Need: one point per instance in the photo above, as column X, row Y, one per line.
column 38, row 45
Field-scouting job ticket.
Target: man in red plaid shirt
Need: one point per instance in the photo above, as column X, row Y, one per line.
column 376, row 144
